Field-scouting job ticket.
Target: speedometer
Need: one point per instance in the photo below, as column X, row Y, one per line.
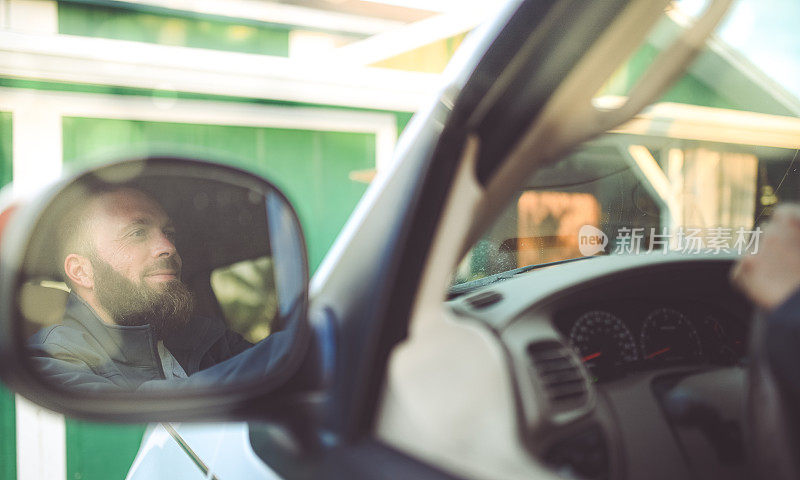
column 667, row 336
column 604, row 343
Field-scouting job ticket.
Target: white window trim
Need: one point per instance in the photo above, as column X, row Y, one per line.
column 41, row 442
column 415, row 35
column 279, row 13
column 100, row 61
column 692, row 122
column 37, row 118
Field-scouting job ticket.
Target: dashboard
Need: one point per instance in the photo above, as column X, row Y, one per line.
column 618, row 337
column 599, row 351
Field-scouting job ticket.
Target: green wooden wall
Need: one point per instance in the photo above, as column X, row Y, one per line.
column 5, row 148
column 8, row 435
column 97, row 451
column 690, row 89
column 168, row 29
column 8, row 422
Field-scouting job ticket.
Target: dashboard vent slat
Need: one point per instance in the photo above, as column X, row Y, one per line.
column 484, row 300
column 562, row 367
column 556, row 370
column 563, row 376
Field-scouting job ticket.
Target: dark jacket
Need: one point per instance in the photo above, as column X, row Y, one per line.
column 782, row 346
column 86, row 353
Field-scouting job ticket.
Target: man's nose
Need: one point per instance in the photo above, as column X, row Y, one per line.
column 165, row 247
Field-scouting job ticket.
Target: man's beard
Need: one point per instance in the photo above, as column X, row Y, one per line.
column 166, row 308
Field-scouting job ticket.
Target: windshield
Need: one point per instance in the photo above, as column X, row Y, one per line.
column 695, row 173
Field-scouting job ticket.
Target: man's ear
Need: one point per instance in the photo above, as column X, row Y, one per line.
column 79, row 270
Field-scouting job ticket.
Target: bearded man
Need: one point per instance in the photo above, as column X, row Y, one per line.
column 129, row 317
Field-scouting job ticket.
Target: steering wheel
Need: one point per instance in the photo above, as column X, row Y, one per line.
column 769, row 434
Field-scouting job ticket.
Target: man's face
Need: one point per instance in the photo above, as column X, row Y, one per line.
column 135, row 264
column 133, row 234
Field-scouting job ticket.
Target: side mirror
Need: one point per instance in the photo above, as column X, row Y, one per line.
column 153, row 289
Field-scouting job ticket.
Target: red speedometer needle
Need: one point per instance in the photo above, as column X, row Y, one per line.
column 591, row 357
column 657, row 353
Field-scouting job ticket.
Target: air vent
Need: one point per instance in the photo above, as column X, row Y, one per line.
column 483, row 300
column 555, row 368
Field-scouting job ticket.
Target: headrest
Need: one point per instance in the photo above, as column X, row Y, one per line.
column 43, row 303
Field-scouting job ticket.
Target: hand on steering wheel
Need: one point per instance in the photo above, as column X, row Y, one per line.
column 770, row 276
column 771, row 279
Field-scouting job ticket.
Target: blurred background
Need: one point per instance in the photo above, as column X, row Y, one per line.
column 314, row 94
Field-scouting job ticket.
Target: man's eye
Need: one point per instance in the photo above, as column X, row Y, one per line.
column 170, row 235
column 140, row 232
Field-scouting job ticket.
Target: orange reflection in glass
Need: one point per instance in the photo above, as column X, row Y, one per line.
column 548, row 225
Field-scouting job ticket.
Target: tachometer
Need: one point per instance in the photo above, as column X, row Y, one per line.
column 604, row 343
column 667, row 335
column 726, row 341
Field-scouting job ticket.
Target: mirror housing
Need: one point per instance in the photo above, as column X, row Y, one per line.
column 223, row 218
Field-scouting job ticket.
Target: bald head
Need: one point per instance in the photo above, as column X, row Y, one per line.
column 96, row 209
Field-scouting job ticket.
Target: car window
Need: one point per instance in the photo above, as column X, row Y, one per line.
column 696, row 172
column 248, row 297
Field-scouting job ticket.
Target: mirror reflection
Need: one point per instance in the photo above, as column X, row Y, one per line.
column 160, row 281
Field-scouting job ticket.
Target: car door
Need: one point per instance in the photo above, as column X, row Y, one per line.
column 394, row 403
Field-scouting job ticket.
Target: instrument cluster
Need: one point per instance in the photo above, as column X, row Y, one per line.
column 613, row 341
